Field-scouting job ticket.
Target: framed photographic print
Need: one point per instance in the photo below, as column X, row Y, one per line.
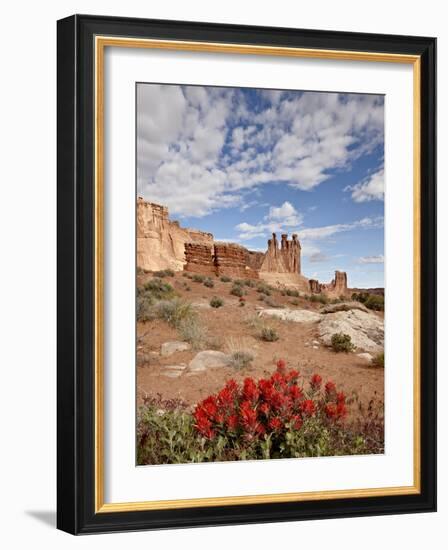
column 246, row 274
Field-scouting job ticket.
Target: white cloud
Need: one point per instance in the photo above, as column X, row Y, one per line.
column 324, row 232
column 201, row 148
column 371, row 188
column 279, row 219
column 371, row 259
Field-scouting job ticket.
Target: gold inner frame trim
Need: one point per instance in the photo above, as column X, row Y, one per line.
column 101, row 42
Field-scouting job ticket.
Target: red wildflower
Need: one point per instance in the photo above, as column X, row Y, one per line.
column 250, row 391
column 275, row 424
column 330, row 410
column 292, row 376
column 295, row 393
column 264, row 408
column 308, row 407
column 330, row 388
column 341, row 410
column 232, row 421
column 281, row 364
column 203, row 424
column 248, row 415
column 296, row 421
column 209, row 406
column 340, row 397
column 316, row 381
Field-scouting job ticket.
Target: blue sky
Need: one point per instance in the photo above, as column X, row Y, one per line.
column 243, row 163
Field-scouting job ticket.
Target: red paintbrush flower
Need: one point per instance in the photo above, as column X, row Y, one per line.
column 316, row 381
column 308, row 407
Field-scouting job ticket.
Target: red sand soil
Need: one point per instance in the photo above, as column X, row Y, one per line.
column 228, row 329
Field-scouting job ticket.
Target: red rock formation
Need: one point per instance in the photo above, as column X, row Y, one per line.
column 315, row 286
column 285, row 259
column 199, row 258
column 337, row 287
column 160, row 241
column 231, row 259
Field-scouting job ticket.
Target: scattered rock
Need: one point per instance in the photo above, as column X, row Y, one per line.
column 315, row 347
column 344, row 306
column 168, row 348
column 295, row 315
column 174, row 371
column 316, row 342
column 208, row 359
column 366, row 330
column 365, row 356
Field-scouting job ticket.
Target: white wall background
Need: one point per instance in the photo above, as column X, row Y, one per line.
column 27, row 271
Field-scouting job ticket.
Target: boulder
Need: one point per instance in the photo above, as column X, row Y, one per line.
column 366, row 330
column 168, row 348
column 366, row 356
column 344, row 306
column 295, row 315
column 208, row 359
column 174, row 371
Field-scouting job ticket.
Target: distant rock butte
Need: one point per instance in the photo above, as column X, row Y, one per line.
column 163, row 243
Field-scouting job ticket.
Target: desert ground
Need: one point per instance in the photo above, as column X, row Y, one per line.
column 163, row 368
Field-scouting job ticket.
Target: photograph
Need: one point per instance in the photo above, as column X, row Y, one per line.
column 260, row 288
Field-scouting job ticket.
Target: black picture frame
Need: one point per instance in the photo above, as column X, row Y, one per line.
column 76, row 272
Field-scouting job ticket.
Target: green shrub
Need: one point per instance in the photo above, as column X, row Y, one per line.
column 378, row 360
column 209, row 283
column 198, row 278
column 294, row 293
column 164, row 273
column 342, row 342
column 225, row 279
column 269, row 334
column 191, row 330
column 264, row 289
column 149, row 294
column 237, row 290
column 360, row 296
column 241, row 359
column 238, row 282
column 249, row 282
column 295, row 302
column 216, row 302
column 375, row 302
column 174, row 312
column 318, row 298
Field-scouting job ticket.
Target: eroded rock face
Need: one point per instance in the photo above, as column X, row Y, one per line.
column 161, row 242
column 285, row 259
column 199, row 258
column 231, row 259
column 366, row 330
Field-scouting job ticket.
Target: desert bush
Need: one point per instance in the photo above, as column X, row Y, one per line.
column 295, row 302
column 270, row 301
column 264, row 289
column 269, row 334
column 375, row 302
column 164, row 273
column 242, row 301
column 241, row 359
column 318, row 298
column 341, row 342
column 378, row 360
column 294, row 293
column 249, row 282
column 238, row 282
column 198, row 278
column 237, row 290
column 276, row 417
column 360, row 296
column 225, row 279
column 193, row 331
column 216, row 302
column 149, row 294
column 209, row 283
column 174, row 311
column 141, row 271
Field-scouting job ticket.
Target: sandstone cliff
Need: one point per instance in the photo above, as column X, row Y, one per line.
column 161, row 242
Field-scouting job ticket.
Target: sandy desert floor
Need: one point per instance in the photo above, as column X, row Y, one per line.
column 229, row 329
